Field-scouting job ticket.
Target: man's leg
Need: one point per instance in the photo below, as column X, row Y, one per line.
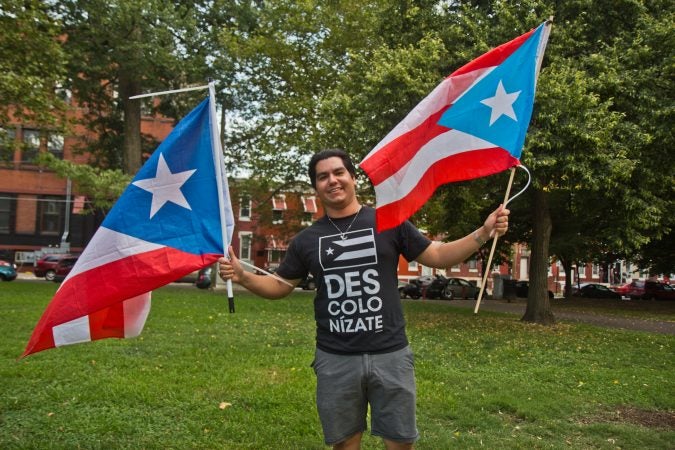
column 391, row 445
column 340, row 398
column 392, row 395
column 351, row 443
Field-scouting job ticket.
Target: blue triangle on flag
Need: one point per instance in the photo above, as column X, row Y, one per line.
column 195, row 229
column 506, row 126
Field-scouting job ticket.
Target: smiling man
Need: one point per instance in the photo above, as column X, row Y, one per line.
column 362, row 354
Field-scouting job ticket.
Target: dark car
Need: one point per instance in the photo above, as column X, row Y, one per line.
column 415, row 287
column 203, row 280
column 436, row 289
column 45, row 266
column 460, row 288
column 522, row 288
column 63, row 268
column 307, row 283
column 594, row 290
column 449, row 288
column 7, row 271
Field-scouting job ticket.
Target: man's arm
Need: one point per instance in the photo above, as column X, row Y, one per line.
column 442, row 255
column 263, row 285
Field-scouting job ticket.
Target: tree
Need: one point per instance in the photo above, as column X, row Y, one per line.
column 102, row 187
column 314, row 85
column 32, row 64
column 123, row 48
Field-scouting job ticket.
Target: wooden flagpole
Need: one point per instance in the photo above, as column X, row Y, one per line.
column 494, row 245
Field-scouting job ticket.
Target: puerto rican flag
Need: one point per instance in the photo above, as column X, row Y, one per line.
column 472, row 125
column 166, row 224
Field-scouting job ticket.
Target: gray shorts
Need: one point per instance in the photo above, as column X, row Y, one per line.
column 347, row 384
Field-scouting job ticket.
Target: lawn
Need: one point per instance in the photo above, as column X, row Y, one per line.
column 201, row 378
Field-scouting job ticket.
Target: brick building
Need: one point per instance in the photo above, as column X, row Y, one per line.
column 37, row 208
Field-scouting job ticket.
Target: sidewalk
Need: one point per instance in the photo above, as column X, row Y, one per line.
column 518, row 308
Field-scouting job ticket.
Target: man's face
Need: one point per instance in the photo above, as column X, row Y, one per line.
column 335, row 186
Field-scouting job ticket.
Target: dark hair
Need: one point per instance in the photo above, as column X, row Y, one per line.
column 330, row 153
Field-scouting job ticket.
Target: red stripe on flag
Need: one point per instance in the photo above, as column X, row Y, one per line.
column 495, row 56
column 110, row 284
column 107, row 323
column 459, row 167
column 396, row 154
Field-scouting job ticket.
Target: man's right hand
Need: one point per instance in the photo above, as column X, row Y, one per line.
column 230, row 269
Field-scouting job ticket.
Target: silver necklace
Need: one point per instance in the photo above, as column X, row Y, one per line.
column 343, row 235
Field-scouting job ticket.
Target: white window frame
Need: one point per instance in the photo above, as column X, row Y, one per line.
column 245, row 237
column 242, row 200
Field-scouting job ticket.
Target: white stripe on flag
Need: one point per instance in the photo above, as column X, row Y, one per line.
column 446, row 93
column 136, row 311
column 73, row 332
column 442, row 146
column 108, row 246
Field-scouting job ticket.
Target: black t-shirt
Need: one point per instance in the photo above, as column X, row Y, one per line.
column 357, row 306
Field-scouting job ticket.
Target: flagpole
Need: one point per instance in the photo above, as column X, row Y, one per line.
column 494, row 245
column 218, row 163
column 174, row 91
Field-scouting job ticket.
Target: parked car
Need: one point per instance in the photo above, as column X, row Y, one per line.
column 44, row 267
column 460, row 288
column 63, row 268
column 623, row 290
column 307, row 283
column 439, row 287
column 594, row 290
column 203, row 280
column 415, row 287
column 7, row 271
column 651, row 290
column 522, row 288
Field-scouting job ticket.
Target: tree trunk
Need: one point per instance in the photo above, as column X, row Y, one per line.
column 132, row 123
column 538, row 304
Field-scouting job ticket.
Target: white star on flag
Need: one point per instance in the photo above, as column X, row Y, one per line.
column 329, row 251
column 165, row 187
column 501, row 104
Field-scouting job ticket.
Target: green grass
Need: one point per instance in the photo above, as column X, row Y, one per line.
column 201, row 378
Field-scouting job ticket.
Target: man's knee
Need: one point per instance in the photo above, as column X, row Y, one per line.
column 392, row 445
column 351, row 443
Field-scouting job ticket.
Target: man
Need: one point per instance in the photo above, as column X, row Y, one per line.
column 362, row 355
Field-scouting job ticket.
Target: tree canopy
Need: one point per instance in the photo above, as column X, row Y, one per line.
column 316, row 76
column 32, row 63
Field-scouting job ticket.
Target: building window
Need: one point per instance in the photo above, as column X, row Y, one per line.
column 245, row 209
column 6, row 207
column 456, row 268
column 55, row 145
column 7, row 136
column 473, row 264
column 412, row 266
column 278, row 208
column 275, row 255
column 309, row 209
column 31, row 145
column 245, row 240
column 64, row 94
column 50, row 215
column 595, row 270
